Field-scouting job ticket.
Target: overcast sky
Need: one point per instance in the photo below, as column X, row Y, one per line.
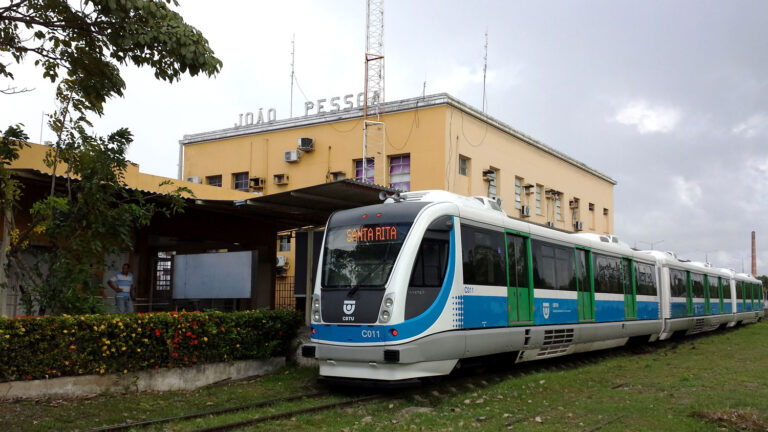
column 668, row 98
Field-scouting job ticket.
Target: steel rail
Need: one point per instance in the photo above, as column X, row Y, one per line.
column 123, row 426
column 288, row 414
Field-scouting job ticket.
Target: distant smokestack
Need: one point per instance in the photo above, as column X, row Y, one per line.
column 754, row 256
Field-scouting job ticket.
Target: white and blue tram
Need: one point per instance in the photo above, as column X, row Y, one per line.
column 408, row 288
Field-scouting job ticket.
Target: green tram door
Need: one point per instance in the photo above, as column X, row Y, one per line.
column 628, row 285
column 584, row 287
column 519, row 278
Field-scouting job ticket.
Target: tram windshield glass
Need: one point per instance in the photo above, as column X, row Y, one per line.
column 358, row 256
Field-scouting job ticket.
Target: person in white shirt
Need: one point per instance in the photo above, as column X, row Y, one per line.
column 122, row 283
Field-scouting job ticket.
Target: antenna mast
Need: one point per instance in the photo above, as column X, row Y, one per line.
column 373, row 94
column 485, row 68
column 293, row 53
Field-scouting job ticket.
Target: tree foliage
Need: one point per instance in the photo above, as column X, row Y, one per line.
column 84, row 43
column 80, row 47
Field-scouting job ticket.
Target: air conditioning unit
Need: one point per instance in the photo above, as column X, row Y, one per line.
column 306, row 144
column 578, row 226
column 525, row 211
column 489, row 175
column 257, row 183
column 291, row 156
column 282, row 261
column 550, row 224
column 280, row 179
column 573, row 204
column 195, row 179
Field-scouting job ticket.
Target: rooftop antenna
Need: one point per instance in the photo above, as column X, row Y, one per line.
column 373, row 93
column 485, row 69
column 293, row 53
column 424, row 89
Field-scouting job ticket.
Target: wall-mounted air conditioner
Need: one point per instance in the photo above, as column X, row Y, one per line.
column 195, row 179
column 291, row 156
column 578, row 226
column 573, row 204
column 525, row 211
column 282, row 261
column 489, row 175
column 550, row 224
column 306, row 144
column 280, row 179
column 257, row 183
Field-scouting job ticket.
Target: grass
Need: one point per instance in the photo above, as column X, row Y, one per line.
column 712, row 382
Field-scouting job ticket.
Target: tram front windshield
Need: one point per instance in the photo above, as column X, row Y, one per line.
column 361, row 256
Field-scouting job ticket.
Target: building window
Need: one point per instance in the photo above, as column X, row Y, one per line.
column 284, row 244
column 368, row 170
column 213, row 180
column 518, row 192
column 575, row 215
column 463, row 165
column 400, row 173
column 558, row 208
column 538, row 198
column 240, row 181
column 491, row 176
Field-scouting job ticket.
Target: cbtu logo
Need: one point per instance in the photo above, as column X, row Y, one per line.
column 349, row 307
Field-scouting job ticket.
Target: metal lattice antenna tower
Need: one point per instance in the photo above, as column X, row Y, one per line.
column 373, row 93
column 374, row 57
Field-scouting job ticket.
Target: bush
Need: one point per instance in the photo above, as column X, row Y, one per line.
column 53, row 346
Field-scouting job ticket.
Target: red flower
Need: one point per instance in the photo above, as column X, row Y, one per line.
column 174, row 354
column 158, row 332
column 157, row 367
column 189, row 334
column 185, row 359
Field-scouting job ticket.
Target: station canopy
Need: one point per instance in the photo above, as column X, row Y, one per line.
column 309, row 206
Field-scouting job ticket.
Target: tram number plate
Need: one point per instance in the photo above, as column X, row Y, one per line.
column 370, row 333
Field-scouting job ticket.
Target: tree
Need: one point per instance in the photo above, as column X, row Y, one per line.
column 88, row 40
column 80, row 46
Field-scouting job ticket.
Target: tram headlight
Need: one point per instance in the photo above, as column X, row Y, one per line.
column 316, row 308
column 385, row 314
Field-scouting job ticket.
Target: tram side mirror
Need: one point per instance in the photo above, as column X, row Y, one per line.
column 444, row 223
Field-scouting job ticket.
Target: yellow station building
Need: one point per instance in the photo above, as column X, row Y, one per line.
column 432, row 142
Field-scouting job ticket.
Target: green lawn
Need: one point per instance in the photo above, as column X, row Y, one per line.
column 711, row 382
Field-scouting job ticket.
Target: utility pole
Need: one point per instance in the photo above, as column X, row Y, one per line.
column 293, row 53
column 485, row 69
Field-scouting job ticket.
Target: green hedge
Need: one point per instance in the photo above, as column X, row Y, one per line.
column 53, row 346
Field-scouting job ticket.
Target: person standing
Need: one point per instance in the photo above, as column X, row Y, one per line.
column 122, row 283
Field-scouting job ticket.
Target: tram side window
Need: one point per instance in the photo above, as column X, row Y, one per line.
column 739, row 288
column 726, row 289
column 428, row 273
column 553, row 266
column 714, row 292
column 697, row 285
column 607, row 274
column 677, row 283
column 431, row 263
column 483, row 256
column 646, row 279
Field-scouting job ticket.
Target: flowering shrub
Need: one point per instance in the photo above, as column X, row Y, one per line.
column 53, row 346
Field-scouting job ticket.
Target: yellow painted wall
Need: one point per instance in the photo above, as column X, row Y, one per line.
column 33, row 157
column 337, row 145
column 434, row 137
column 488, row 147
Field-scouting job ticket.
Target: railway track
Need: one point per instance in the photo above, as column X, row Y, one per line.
column 483, row 377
